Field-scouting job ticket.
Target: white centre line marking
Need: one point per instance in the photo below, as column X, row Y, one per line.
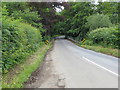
column 100, row 66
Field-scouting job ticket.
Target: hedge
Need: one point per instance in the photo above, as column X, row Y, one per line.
column 105, row 36
column 18, row 41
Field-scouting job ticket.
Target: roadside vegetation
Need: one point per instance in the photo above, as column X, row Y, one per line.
column 21, row 38
column 101, row 49
column 93, row 26
column 26, row 38
column 20, row 73
column 25, row 32
column 104, row 40
column 29, row 27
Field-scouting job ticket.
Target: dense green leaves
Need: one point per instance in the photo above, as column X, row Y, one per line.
column 24, row 12
column 104, row 36
column 19, row 40
column 19, row 37
column 110, row 9
column 47, row 10
column 27, row 16
column 76, row 17
column 59, row 28
column 98, row 21
column 23, row 25
column 84, row 17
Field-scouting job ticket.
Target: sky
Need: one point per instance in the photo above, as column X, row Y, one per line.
column 59, row 10
column 95, row 2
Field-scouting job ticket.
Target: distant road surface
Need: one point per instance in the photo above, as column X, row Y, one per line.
column 84, row 68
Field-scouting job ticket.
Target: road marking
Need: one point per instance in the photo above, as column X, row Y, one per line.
column 100, row 66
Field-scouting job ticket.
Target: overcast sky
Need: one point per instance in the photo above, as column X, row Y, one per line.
column 59, row 10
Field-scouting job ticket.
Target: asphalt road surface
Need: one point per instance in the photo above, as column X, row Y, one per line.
column 84, row 68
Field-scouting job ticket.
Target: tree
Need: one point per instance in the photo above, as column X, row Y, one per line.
column 47, row 10
column 110, row 9
column 76, row 17
column 22, row 11
column 98, row 21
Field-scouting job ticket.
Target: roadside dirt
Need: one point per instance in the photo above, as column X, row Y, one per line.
column 45, row 76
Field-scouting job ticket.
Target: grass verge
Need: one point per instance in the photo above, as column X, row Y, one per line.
column 16, row 78
column 109, row 51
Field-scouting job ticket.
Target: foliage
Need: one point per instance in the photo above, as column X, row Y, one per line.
column 105, row 37
column 80, row 12
column 98, row 21
column 59, row 28
column 19, row 40
column 82, row 17
column 46, row 38
column 14, row 6
column 23, row 71
column 47, row 10
column 23, row 25
column 27, row 16
column 101, row 49
column 22, row 11
column 76, row 17
column 110, row 9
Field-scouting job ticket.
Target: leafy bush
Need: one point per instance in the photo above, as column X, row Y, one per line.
column 21, row 10
column 104, row 36
column 88, row 42
column 59, row 28
column 98, row 21
column 18, row 41
column 47, row 38
column 26, row 15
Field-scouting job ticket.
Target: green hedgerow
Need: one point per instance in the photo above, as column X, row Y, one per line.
column 18, row 41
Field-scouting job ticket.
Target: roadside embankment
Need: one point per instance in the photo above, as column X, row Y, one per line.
column 16, row 77
column 98, row 48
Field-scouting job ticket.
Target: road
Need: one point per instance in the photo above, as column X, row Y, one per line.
column 84, row 68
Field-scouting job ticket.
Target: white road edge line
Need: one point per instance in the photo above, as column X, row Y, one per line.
column 100, row 66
